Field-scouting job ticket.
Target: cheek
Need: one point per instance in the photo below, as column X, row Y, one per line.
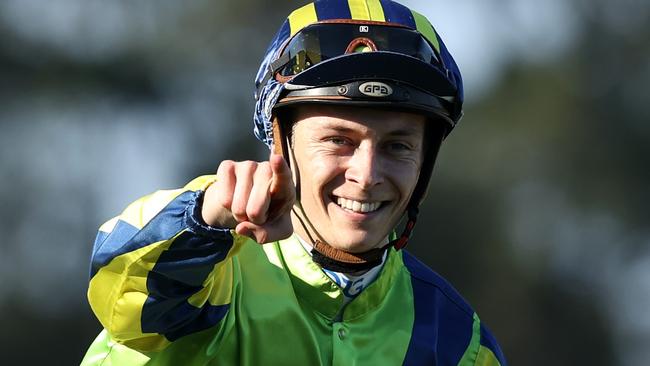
column 406, row 177
column 322, row 173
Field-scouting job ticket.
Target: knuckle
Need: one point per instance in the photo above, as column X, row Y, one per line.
column 248, row 165
column 263, row 171
column 238, row 211
column 245, row 169
column 226, row 165
column 264, row 166
column 256, row 215
column 239, row 218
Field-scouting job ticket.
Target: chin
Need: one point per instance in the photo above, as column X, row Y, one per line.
column 358, row 245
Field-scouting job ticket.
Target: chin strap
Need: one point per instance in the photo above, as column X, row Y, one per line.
column 338, row 260
column 401, row 242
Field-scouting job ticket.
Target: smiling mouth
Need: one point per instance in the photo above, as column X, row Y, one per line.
column 357, row 206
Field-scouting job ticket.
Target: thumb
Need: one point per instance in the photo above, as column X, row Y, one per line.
column 271, row 231
column 255, row 232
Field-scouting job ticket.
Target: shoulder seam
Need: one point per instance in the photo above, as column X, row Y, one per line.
column 464, row 309
column 465, row 306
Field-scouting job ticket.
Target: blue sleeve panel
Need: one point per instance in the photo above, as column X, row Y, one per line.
column 488, row 341
column 110, row 245
column 167, row 269
column 446, row 330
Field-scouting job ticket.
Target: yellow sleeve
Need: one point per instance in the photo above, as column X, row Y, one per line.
column 158, row 272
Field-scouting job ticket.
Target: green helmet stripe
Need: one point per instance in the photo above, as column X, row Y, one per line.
column 423, row 26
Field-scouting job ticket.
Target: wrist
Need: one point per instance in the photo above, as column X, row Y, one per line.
column 213, row 213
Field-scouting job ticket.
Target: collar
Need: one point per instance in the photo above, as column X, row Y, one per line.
column 318, row 291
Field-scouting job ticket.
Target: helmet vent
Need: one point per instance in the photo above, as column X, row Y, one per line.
column 361, row 44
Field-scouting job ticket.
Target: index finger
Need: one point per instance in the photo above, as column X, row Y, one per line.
column 281, row 182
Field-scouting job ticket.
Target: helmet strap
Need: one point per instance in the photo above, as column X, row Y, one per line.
column 334, row 259
column 280, row 143
column 412, row 218
column 338, row 260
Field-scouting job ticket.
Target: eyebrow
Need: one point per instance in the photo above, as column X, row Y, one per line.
column 398, row 132
column 340, row 129
column 404, row 132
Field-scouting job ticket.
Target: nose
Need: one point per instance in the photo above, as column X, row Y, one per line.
column 364, row 167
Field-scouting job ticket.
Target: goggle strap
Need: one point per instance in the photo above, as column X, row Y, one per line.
column 271, row 70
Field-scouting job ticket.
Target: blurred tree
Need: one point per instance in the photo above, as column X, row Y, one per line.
column 536, row 211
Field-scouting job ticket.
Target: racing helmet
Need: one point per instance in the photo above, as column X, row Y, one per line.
column 366, row 53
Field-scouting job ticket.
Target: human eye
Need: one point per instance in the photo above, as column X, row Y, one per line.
column 338, row 140
column 400, row 147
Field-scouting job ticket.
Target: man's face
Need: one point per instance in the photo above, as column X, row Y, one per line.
column 358, row 168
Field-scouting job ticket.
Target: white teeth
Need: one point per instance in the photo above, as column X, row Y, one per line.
column 357, row 206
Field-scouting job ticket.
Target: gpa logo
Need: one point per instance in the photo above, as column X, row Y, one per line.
column 375, row 89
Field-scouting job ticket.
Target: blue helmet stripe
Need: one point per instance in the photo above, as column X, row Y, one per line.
column 332, row 10
column 454, row 72
column 398, row 13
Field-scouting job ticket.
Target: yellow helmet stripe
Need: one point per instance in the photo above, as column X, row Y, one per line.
column 366, row 10
column 302, row 17
column 423, row 26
